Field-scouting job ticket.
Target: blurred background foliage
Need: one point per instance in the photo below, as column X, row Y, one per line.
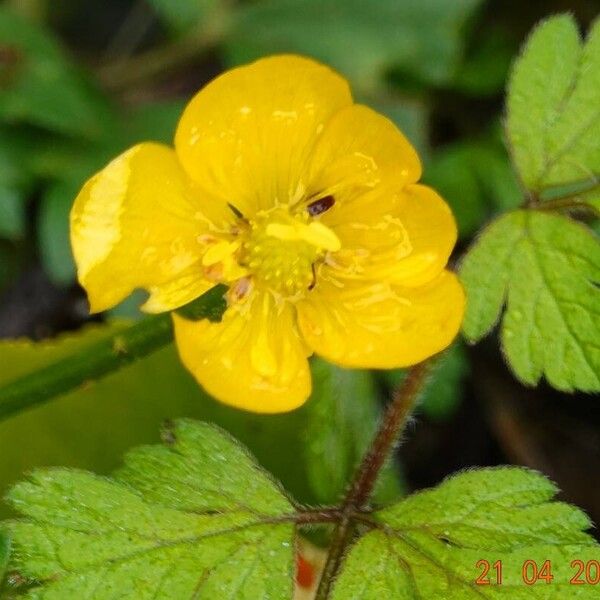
column 81, row 80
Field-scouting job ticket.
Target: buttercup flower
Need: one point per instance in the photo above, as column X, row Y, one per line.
column 305, row 205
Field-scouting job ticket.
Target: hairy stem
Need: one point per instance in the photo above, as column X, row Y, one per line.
column 342, row 535
column 102, row 357
column 93, row 362
column 364, row 481
column 403, row 401
column 320, row 515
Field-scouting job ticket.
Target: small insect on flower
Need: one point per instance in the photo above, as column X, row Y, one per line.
column 305, row 205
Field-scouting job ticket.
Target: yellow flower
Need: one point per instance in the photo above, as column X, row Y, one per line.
column 305, row 205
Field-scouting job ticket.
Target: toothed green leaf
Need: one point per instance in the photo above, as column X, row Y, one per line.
column 554, row 106
column 428, row 545
column 193, row 518
column 546, row 269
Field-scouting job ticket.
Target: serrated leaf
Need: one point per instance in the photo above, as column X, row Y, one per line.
column 554, row 106
column 428, row 545
column 41, row 87
column 342, row 417
column 546, row 268
column 193, row 518
column 361, row 39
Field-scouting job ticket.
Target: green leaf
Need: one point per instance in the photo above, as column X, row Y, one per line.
column 554, row 106
column 15, row 181
column 154, row 121
column 41, row 87
column 195, row 517
column 14, row 148
column 211, row 305
column 546, row 268
column 92, row 426
column 342, row 417
column 183, row 15
column 53, row 232
column 476, row 179
column 428, row 545
column 12, row 214
column 411, row 117
column 452, row 174
column 485, row 68
column 362, row 39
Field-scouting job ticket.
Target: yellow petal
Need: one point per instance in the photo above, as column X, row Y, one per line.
column 254, row 359
column 431, row 230
column 248, row 135
column 136, row 224
column 403, row 235
column 183, row 289
column 375, row 326
column 359, row 148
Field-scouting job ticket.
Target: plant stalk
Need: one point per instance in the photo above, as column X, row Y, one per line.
column 392, row 425
column 361, row 489
column 95, row 361
column 567, row 203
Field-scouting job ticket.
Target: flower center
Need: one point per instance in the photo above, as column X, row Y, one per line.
column 281, row 249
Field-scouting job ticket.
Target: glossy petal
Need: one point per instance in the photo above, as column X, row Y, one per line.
column 358, row 150
column 400, row 234
column 254, row 359
column 377, row 326
column 248, row 135
column 136, row 224
column 184, row 288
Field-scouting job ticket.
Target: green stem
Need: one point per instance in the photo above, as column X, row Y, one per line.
column 95, row 361
column 392, row 425
column 566, row 203
column 365, row 478
column 340, row 540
